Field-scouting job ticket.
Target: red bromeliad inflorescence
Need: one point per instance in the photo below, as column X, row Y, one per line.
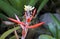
column 25, row 25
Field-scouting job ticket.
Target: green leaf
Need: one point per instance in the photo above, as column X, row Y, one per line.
column 52, row 28
column 4, row 35
column 3, row 17
column 19, row 4
column 6, row 1
column 33, row 2
column 13, row 37
column 41, row 6
column 55, row 20
column 57, row 33
column 8, row 9
column 45, row 37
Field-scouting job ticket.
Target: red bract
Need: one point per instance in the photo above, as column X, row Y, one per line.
column 15, row 21
column 36, row 25
column 34, row 12
column 32, row 26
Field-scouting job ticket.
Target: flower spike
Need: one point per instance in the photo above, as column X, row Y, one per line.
column 29, row 14
column 28, row 8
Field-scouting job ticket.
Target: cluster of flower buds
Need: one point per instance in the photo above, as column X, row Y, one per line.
column 29, row 14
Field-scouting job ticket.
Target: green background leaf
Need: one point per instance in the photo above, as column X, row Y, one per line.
column 52, row 29
column 46, row 37
column 4, row 35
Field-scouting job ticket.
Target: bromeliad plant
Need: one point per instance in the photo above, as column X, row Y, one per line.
column 29, row 14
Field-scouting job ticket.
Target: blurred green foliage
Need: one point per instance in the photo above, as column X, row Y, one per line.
column 46, row 37
column 8, row 32
column 55, row 29
column 10, row 7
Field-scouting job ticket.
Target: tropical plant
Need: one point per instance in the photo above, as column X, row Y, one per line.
column 12, row 7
